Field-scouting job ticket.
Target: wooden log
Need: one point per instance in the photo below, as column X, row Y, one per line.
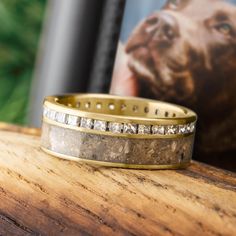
column 44, row 195
column 19, row 129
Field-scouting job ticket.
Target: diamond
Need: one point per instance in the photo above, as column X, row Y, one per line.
column 130, row 128
column 144, row 129
column 171, row 129
column 52, row 114
column 86, row 123
column 100, row 125
column 45, row 111
column 191, row 127
column 61, row 117
column 182, row 129
column 73, row 120
column 115, row 127
column 158, row 129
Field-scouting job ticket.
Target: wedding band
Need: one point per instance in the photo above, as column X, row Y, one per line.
column 118, row 131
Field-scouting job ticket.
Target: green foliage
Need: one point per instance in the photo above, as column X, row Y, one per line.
column 21, row 23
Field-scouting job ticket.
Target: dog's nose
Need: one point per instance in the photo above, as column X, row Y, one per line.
column 163, row 27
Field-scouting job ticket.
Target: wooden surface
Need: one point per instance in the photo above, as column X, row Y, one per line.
column 43, row 195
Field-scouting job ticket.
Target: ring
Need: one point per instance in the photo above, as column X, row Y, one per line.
column 118, row 131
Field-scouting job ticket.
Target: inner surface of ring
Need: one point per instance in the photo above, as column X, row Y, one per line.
column 127, row 107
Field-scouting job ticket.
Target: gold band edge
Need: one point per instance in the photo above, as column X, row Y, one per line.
column 117, row 165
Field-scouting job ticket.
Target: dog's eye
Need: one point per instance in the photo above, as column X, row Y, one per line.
column 224, row 28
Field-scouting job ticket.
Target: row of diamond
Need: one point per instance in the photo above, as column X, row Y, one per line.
column 116, row 127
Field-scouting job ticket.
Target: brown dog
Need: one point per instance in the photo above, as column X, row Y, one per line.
column 186, row 53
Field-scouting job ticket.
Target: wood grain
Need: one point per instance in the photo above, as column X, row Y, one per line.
column 19, row 129
column 43, row 195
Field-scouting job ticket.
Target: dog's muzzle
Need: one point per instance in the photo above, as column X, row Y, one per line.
column 163, row 29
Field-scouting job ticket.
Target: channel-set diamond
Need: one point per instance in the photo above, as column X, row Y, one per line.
column 130, row 128
column 86, row 123
column 144, row 129
column 61, row 117
column 191, row 127
column 45, row 111
column 182, row 129
column 100, row 125
column 52, row 114
column 115, row 127
column 158, row 129
column 171, row 129
column 73, row 120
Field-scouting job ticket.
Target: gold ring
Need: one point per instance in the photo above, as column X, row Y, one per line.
column 118, row 131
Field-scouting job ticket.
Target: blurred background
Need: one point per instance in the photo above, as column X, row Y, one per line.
column 51, row 47
column 21, row 23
